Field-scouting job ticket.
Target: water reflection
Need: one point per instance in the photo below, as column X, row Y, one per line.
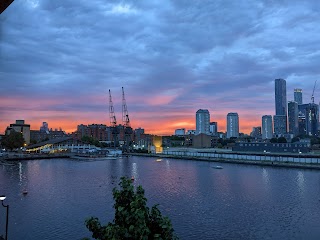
column 246, row 202
column 300, row 181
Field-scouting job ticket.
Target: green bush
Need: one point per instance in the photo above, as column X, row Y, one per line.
column 133, row 219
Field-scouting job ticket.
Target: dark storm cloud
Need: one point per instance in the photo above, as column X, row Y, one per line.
column 169, row 55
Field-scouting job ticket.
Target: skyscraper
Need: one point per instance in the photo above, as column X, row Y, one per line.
column 267, row 132
column 203, row 121
column 312, row 119
column 293, row 117
column 298, row 95
column 281, row 97
column 309, row 116
column 232, row 125
column 280, row 125
column 214, row 128
column 281, row 107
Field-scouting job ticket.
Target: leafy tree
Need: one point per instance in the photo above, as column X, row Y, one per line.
column 132, row 219
column 295, row 139
column 13, row 140
column 274, row 140
column 282, row 140
column 90, row 140
column 314, row 140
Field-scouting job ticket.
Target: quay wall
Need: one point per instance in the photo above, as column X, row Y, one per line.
column 308, row 161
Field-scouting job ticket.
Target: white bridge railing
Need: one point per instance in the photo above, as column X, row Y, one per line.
column 300, row 158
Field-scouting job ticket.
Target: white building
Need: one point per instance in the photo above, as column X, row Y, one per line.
column 203, row 121
column 232, row 125
column 267, row 131
column 180, row 132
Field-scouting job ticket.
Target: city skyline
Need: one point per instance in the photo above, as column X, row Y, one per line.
column 58, row 60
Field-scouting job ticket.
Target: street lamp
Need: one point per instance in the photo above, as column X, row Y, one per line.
column 2, row 198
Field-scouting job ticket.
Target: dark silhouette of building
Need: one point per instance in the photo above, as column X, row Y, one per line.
column 293, row 118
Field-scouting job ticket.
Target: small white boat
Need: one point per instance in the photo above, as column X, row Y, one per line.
column 159, row 160
column 217, row 167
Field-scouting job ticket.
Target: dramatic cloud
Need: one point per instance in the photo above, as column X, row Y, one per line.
column 59, row 58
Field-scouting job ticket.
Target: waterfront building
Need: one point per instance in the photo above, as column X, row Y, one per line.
column 180, row 132
column 293, row 118
column 96, row 131
column 308, row 119
column 40, row 135
column 44, row 127
column 298, row 95
column 302, row 124
column 280, row 97
column 232, row 125
column 312, row 119
column 191, row 132
column 280, row 125
column 20, row 126
column 281, row 107
column 203, row 121
column 256, row 133
column 267, row 132
column 214, row 128
column 201, row 141
column 138, row 132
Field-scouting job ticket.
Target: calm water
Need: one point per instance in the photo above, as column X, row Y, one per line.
column 236, row 202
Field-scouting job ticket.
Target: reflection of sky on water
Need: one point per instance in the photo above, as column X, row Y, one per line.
column 300, row 182
column 134, row 171
column 243, row 202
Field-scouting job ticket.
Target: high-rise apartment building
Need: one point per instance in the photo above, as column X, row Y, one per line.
column 280, row 125
column 232, row 125
column 308, row 119
column 281, row 97
column 293, row 118
column 256, row 133
column 203, row 121
column 298, row 95
column 312, row 119
column 281, row 107
column 214, row 128
column 302, row 124
column 267, row 132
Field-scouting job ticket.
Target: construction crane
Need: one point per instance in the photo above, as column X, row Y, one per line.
column 113, row 121
column 126, row 123
column 312, row 96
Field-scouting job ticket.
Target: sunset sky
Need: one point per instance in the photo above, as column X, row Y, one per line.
column 58, row 59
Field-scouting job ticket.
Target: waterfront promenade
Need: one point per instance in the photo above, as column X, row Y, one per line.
column 308, row 161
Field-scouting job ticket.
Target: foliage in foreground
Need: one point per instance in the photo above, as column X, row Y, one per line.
column 13, row 140
column 133, row 219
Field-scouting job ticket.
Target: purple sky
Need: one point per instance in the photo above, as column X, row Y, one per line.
column 59, row 58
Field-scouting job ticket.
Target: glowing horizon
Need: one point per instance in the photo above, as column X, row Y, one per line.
column 59, row 58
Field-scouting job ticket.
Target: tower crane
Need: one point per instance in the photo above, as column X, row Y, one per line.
column 312, row 96
column 126, row 123
column 113, row 121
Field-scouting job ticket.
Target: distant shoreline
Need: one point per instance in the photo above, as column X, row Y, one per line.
column 282, row 164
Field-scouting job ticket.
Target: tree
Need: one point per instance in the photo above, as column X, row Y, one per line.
column 273, row 140
column 295, row 139
column 90, row 140
column 13, row 140
column 282, row 140
column 132, row 219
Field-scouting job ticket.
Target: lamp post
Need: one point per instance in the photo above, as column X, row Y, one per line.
column 2, row 198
